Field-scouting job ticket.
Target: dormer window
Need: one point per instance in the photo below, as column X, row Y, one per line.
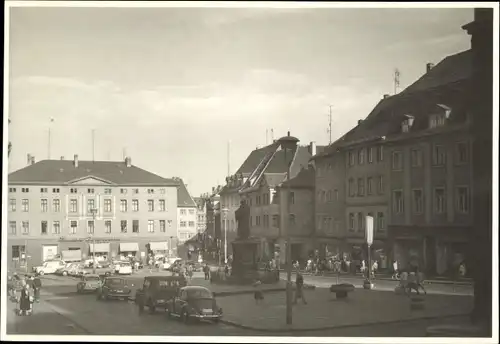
column 407, row 123
column 437, row 120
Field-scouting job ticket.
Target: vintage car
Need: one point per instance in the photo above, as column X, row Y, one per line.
column 125, row 268
column 89, row 283
column 194, row 303
column 157, row 290
column 49, row 267
column 114, row 288
column 64, row 271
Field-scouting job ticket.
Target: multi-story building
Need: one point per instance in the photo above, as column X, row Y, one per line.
column 259, row 192
column 201, row 213
column 56, row 206
column 430, row 174
column 186, row 213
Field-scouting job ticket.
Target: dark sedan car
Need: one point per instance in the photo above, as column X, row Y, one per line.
column 114, row 288
column 194, row 303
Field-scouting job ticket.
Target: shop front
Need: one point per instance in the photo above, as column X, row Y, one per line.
column 128, row 250
column 158, row 249
column 450, row 254
column 101, row 251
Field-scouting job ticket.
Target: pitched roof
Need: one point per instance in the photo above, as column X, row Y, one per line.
column 254, row 159
column 304, row 179
column 444, row 83
column 184, row 199
column 60, row 172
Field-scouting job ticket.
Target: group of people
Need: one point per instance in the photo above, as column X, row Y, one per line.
column 29, row 288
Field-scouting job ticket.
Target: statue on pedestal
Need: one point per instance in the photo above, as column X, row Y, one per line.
column 243, row 219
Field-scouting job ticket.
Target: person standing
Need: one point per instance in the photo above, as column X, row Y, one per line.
column 395, row 270
column 299, row 288
column 206, row 271
column 25, row 300
column 37, row 286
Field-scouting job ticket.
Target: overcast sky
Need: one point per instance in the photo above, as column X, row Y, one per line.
column 173, row 86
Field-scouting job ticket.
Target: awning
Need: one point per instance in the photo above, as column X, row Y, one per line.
column 158, row 246
column 99, row 248
column 129, row 247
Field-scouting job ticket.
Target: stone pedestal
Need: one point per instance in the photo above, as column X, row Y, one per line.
column 244, row 266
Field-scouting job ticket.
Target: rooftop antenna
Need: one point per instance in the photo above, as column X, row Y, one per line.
column 329, row 130
column 397, row 74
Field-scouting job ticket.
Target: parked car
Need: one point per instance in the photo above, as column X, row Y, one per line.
column 49, row 267
column 194, row 303
column 125, row 268
column 116, row 265
column 64, row 271
column 157, row 290
column 170, row 263
column 89, row 283
column 76, row 270
column 114, row 288
column 196, row 266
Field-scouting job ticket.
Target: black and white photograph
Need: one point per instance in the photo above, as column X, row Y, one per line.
column 307, row 172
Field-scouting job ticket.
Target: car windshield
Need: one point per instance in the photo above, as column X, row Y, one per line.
column 92, row 278
column 115, row 281
column 199, row 294
column 125, row 264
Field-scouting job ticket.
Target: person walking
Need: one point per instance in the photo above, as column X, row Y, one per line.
column 206, row 271
column 190, row 272
column 25, row 301
column 37, row 286
column 299, row 288
column 395, row 270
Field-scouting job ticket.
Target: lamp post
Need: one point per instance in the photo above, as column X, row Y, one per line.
column 288, row 143
column 224, row 211
column 93, row 211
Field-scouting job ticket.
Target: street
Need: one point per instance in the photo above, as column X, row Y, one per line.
column 63, row 311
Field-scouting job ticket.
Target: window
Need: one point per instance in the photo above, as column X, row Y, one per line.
column 336, row 194
column 361, row 187
column 361, row 156
column 151, row 191
column 107, row 191
column 90, row 206
column 397, row 201
column 73, row 190
column 25, row 205
column 183, row 211
column 123, row 205
column 43, row 227
column 163, row 227
column 26, row 227
column 55, row 190
column 397, row 161
column 329, row 196
column 107, row 226
column 12, row 228
column 135, row 205
column 151, row 205
column 351, row 187
column 292, row 197
column 136, row 191
column 191, row 211
column 90, row 227
column 370, row 154
column 56, row 227
column 43, row 190
column 380, row 153
column 123, row 191
column 351, row 159
column 123, row 226
column 73, row 226
column 107, row 205
column 90, row 191
column 162, row 205
column 438, row 155
column 12, row 204
column 463, row 199
column 12, row 189
column 56, row 205
column 191, row 224
column 292, row 219
column 416, row 157
column 462, row 152
column 369, row 185
column 257, row 220
column 73, row 205
column 162, row 191
column 361, row 222
column 439, row 200
column 380, row 222
column 183, row 223
column 276, row 221
column 25, row 190
column 18, row 251
column 436, row 121
column 351, row 222
column 418, row 202
column 380, row 186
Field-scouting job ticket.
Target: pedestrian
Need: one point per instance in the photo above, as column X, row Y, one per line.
column 206, row 271
column 11, row 288
column 374, row 268
column 226, row 270
column 462, row 270
column 190, row 272
column 258, row 295
column 37, row 286
column 395, row 271
column 25, row 302
column 299, row 288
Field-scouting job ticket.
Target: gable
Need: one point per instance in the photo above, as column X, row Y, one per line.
column 90, row 181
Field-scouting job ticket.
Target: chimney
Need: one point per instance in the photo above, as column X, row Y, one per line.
column 288, row 134
column 28, row 159
column 359, row 121
column 75, row 162
column 429, row 66
column 62, row 157
column 386, row 96
column 312, row 148
column 128, row 161
column 32, row 160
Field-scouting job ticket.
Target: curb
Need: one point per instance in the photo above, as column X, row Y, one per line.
column 333, row 327
column 243, row 292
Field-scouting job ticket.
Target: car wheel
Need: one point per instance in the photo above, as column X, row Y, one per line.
column 185, row 316
column 41, row 273
column 65, row 273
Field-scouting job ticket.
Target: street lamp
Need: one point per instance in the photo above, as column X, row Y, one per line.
column 93, row 211
column 288, row 143
column 224, row 211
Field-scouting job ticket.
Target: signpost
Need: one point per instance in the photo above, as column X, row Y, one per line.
column 369, row 240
